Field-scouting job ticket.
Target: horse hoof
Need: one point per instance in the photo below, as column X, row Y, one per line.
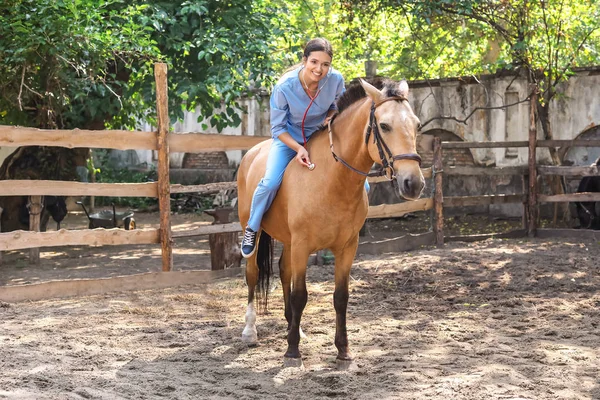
column 289, row 362
column 345, row 365
column 250, row 337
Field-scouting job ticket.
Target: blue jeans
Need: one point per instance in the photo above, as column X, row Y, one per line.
column 279, row 157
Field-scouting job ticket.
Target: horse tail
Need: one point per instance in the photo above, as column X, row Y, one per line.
column 264, row 260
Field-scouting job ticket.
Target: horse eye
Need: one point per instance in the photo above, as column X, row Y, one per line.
column 385, row 127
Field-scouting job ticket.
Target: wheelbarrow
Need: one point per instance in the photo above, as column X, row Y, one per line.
column 110, row 219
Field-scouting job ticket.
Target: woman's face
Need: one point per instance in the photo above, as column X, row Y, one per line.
column 317, row 66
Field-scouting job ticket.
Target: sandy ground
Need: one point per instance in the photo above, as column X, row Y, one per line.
column 81, row 262
column 88, row 262
column 499, row 319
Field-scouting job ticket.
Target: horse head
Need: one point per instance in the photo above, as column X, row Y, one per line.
column 393, row 127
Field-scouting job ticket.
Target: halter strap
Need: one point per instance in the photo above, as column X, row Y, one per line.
column 385, row 154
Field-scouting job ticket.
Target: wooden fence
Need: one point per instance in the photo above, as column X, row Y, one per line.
column 165, row 142
column 529, row 196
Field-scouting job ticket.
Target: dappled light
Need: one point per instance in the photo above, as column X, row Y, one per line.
column 491, row 319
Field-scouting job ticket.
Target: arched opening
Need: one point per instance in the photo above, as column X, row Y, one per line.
column 575, row 155
column 207, row 160
column 451, row 157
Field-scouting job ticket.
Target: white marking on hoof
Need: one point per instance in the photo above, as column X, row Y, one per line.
column 289, row 362
column 249, row 335
column 345, row 365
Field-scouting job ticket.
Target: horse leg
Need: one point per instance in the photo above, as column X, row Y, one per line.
column 343, row 263
column 298, row 299
column 249, row 335
column 285, row 275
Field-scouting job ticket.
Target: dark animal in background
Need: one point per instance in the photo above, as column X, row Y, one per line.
column 54, row 206
column 586, row 210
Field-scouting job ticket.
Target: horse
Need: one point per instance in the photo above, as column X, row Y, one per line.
column 52, row 206
column 586, row 210
column 325, row 208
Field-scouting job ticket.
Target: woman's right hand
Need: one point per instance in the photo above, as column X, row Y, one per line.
column 302, row 156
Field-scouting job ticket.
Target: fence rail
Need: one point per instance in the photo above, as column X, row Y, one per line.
column 165, row 143
column 530, row 197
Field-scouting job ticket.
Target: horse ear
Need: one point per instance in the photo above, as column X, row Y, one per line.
column 371, row 91
column 404, row 89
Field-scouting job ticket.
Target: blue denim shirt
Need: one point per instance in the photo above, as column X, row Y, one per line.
column 289, row 102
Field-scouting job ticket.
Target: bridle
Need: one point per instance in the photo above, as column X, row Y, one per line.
column 385, row 154
column 589, row 213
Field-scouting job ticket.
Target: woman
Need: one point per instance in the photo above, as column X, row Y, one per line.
column 302, row 99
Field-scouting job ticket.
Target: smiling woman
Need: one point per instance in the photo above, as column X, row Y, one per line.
column 303, row 99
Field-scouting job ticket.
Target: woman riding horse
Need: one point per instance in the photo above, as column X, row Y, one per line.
column 303, row 99
column 326, row 207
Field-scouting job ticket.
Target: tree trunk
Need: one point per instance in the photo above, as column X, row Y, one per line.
column 557, row 183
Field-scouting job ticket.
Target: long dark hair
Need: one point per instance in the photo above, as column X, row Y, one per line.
column 318, row 44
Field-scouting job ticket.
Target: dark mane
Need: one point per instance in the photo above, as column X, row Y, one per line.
column 355, row 91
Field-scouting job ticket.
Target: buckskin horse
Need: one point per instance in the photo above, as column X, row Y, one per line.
column 326, row 207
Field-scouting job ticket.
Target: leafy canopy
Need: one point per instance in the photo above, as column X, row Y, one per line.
column 85, row 63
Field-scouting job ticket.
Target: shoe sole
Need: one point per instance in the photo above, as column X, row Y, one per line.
column 248, row 255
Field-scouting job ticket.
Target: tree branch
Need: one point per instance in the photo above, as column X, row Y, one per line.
column 21, row 87
column 312, row 14
column 464, row 121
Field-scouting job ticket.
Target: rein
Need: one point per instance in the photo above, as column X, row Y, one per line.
column 385, row 154
column 588, row 212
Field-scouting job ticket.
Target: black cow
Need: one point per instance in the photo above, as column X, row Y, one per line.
column 586, row 210
column 54, row 206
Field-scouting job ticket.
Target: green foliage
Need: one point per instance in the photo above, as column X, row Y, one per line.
column 65, row 62
column 106, row 172
column 547, row 38
column 86, row 63
column 217, row 51
column 421, row 39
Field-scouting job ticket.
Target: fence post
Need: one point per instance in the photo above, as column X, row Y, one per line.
column 35, row 210
column 164, row 191
column 525, row 190
column 224, row 248
column 533, row 207
column 438, row 198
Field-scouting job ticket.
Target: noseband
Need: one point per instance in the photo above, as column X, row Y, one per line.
column 385, row 154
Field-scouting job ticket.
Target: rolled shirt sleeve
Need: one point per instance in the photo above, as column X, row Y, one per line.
column 279, row 110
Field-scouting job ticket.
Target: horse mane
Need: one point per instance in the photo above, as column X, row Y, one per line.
column 355, row 91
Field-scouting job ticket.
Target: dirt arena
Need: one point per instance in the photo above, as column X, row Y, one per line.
column 498, row 319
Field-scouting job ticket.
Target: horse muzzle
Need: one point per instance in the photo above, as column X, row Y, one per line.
column 410, row 186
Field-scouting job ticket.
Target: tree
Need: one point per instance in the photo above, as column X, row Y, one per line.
column 65, row 64
column 547, row 39
column 86, row 63
column 217, row 52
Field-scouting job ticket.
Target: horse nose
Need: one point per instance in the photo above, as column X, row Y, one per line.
column 407, row 185
column 412, row 186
